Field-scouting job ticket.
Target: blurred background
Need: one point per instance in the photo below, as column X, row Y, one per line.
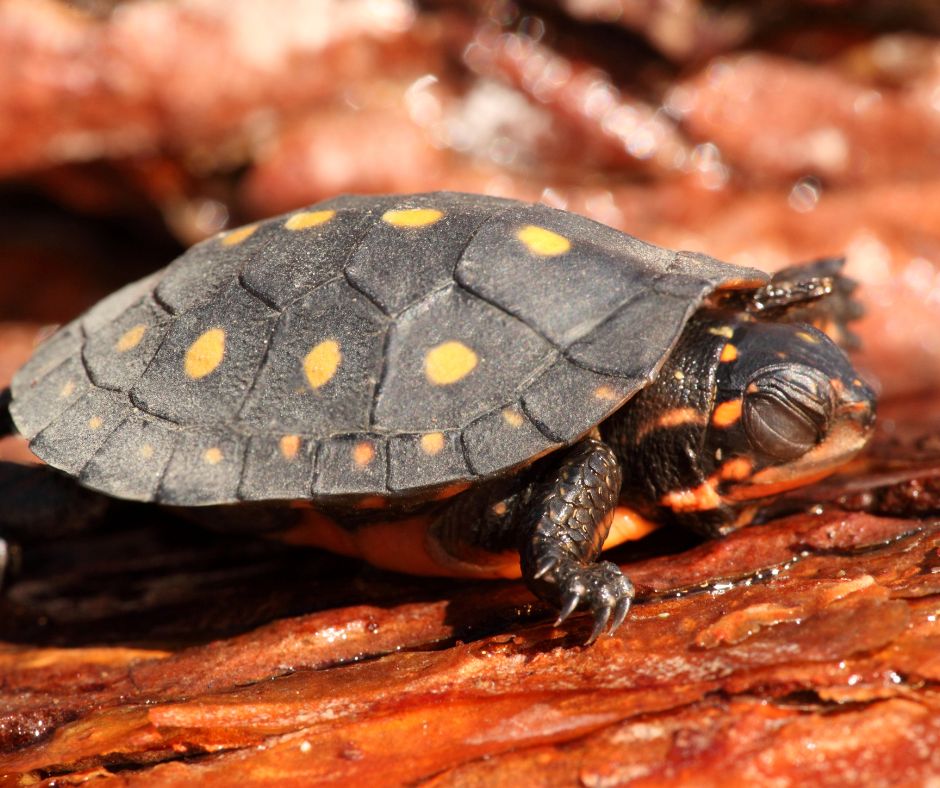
column 762, row 133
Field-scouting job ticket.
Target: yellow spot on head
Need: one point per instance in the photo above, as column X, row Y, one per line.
column 239, row 235
column 363, row 453
column 722, row 331
column 95, row 422
column 727, row 413
column 67, row 390
column 290, row 445
column 542, row 242
column 146, row 451
column 697, row 499
column 807, row 337
column 321, row 363
column 130, row 338
column 735, row 470
column 412, row 217
column 729, row 353
column 432, row 443
column 512, row 417
column 605, row 393
column 498, row 508
column 449, row 362
column 307, row 219
column 212, row 456
column 205, row 354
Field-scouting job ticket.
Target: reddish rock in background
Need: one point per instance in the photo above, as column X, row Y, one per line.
column 800, row 651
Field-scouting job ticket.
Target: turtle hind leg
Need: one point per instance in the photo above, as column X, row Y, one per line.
column 817, row 293
column 556, row 523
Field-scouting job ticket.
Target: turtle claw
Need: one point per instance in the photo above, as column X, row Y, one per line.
column 545, row 565
column 601, row 588
column 620, row 613
column 571, row 602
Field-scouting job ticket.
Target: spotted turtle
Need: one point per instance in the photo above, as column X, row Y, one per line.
column 454, row 384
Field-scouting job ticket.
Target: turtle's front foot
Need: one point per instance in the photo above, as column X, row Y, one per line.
column 601, row 588
column 569, row 521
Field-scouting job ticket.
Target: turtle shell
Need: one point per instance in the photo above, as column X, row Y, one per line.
column 363, row 346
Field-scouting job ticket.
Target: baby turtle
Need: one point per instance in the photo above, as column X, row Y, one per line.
column 454, row 384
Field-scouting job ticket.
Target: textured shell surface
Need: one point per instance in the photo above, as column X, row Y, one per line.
column 379, row 345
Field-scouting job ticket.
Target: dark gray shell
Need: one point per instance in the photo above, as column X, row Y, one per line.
column 351, row 350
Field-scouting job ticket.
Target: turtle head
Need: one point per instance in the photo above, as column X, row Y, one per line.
column 789, row 409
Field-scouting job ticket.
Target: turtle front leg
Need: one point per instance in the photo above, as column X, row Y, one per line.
column 554, row 523
column 562, row 534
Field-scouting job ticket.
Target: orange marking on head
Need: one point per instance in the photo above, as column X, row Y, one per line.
column 735, row 470
column 727, row 413
column 676, row 417
column 363, row 453
column 499, row 508
column 837, row 386
column 697, row 499
column 290, row 445
column 758, row 490
column 722, row 331
column 729, row 353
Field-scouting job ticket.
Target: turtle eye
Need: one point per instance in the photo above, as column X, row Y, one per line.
column 786, row 413
column 777, row 428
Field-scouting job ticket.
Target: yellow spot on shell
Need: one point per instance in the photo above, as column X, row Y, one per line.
column 449, row 362
column 729, row 353
column 412, row 217
column 212, row 456
column 239, row 235
column 363, row 453
column 146, row 451
column 542, row 242
column 130, row 338
column 512, row 417
column 67, row 390
column 806, row 337
column 95, row 422
column 605, row 393
column 727, row 413
column 290, row 445
column 722, row 331
column 205, row 354
column 321, row 363
column 308, row 219
column 432, row 443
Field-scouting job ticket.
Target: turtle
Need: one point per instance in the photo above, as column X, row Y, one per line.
column 454, row 384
